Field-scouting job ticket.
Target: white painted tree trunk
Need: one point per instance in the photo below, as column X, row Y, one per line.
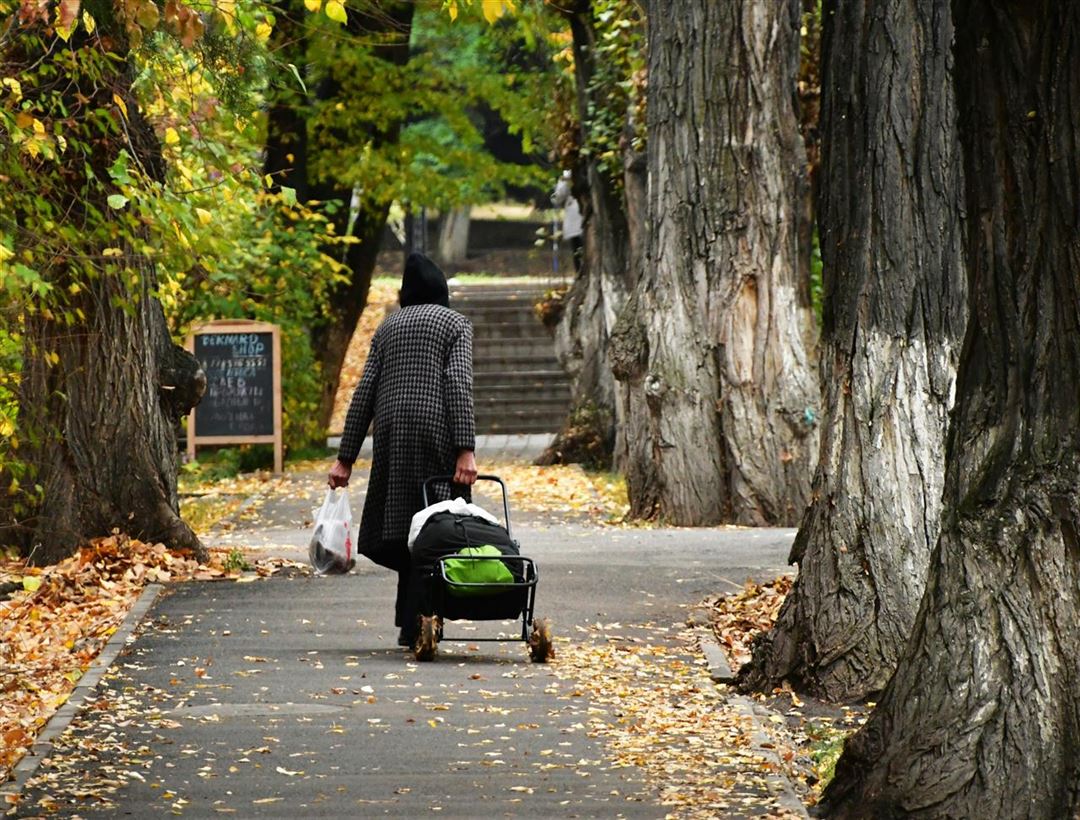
column 894, row 318
column 454, row 235
column 982, row 715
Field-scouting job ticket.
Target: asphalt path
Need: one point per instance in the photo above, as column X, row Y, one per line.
column 287, row 696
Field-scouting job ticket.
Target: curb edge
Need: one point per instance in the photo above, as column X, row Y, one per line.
column 58, row 723
column 722, row 675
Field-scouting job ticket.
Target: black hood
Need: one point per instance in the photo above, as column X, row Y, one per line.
column 423, row 283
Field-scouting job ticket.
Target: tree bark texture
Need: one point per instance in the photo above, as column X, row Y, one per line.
column 99, row 399
column 983, row 714
column 598, row 291
column 894, row 318
column 718, row 387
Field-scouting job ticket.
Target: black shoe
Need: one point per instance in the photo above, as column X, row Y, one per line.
column 404, row 639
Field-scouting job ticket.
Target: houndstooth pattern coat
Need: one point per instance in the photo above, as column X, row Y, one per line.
column 417, row 387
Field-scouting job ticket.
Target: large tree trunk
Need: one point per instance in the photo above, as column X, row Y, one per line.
column 983, row 714
column 894, row 315
column 102, row 383
column 719, row 387
column 597, row 294
column 385, row 28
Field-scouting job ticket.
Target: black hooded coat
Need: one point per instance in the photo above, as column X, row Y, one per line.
column 417, row 388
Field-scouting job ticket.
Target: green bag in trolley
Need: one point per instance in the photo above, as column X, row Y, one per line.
column 330, row 550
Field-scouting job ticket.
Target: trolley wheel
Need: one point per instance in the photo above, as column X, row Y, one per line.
column 427, row 641
column 541, row 649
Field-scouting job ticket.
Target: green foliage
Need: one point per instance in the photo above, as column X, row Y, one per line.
column 817, row 285
column 11, row 466
column 242, row 251
column 617, row 88
column 586, row 439
column 457, row 69
column 615, row 109
column 236, row 562
column 221, row 463
column 826, row 746
column 196, row 204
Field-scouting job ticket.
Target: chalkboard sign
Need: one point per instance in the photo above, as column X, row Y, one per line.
column 242, row 404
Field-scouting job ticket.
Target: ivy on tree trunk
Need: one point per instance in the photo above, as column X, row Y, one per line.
column 102, row 384
column 599, row 289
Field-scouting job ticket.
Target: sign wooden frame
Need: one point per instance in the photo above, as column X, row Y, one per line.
column 243, row 326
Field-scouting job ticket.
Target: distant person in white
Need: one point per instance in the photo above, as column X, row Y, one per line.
column 571, row 227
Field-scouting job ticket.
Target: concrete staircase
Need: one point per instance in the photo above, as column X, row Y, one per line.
column 518, row 384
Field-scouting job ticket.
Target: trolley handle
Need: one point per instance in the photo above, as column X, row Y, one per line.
column 450, row 480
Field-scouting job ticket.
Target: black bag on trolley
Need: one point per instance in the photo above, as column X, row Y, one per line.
column 449, row 533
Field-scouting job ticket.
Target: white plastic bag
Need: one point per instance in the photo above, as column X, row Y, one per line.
column 331, row 548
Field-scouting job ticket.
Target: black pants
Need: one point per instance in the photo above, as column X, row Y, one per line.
column 577, row 251
column 395, row 555
column 400, row 602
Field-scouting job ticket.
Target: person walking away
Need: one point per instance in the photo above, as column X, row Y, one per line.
column 417, row 388
column 571, row 228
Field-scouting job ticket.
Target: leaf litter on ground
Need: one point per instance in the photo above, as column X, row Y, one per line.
column 818, row 728
column 652, row 704
column 57, row 619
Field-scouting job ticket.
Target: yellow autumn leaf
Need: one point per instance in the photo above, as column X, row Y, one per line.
column 14, row 86
column 313, row 5
column 262, row 32
column 67, row 17
column 31, row 583
column 452, row 9
column 89, row 22
column 493, row 10
column 171, row 136
column 120, row 104
column 336, row 11
column 205, row 217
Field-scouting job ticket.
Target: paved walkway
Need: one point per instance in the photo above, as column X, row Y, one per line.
column 287, row 697
column 501, row 447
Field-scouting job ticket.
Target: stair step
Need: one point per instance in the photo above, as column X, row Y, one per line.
column 467, row 293
column 541, row 388
column 534, row 349
column 502, row 315
column 511, row 326
column 524, row 402
column 521, row 378
column 518, row 383
column 528, row 368
column 518, row 424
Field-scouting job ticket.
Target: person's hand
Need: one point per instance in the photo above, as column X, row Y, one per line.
column 339, row 475
column 465, row 469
